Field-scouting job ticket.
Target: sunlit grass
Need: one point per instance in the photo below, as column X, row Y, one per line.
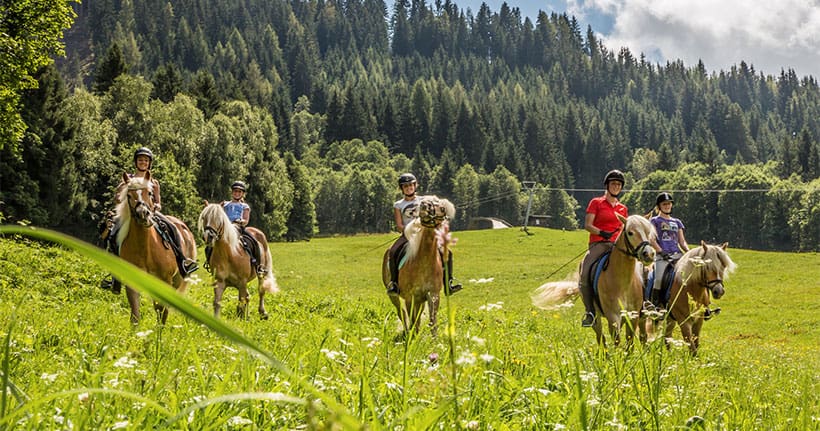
column 333, row 334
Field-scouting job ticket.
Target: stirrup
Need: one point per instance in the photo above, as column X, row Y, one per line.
column 452, row 288
column 589, row 319
column 261, row 270
column 107, row 283
column 189, row 266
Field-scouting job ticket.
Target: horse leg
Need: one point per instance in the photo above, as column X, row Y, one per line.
column 134, row 302
column 696, row 327
column 162, row 312
column 432, row 307
column 263, row 314
column 219, row 289
column 686, row 331
column 668, row 330
column 599, row 332
column 244, row 299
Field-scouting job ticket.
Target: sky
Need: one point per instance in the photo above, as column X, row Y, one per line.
column 770, row 35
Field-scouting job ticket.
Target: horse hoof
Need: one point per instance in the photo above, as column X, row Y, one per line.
column 264, row 317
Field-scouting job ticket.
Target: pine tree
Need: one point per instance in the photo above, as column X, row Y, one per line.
column 108, row 69
column 301, row 223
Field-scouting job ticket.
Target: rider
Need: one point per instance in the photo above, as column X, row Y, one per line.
column 239, row 213
column 670, row 246
column 604, row 227
column 143, row 160
column 404, row 210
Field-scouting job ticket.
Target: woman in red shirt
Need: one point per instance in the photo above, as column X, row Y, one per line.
column 603, row 226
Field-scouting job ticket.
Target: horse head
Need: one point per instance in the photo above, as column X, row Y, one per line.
column 138, row 195
column 214, row 225
column 432, row 211
column 715, row 266
column 636, row 235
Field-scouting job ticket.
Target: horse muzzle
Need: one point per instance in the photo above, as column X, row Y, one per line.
column 143, row 215
column 716, row 287
column 646, row 254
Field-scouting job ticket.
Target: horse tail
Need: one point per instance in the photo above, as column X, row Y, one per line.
column 551, row 295
column 268, row 283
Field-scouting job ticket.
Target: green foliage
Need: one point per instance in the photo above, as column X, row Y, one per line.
column 301, row 222
column 31, row 33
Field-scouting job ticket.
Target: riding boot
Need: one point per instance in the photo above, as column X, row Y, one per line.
column 589, row 306
column 393, row 285
column 449, row 287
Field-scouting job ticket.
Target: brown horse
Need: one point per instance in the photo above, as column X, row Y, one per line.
column 700, row 271
column 141, row 243
column 620, row 285
column 230, row 264
column 421, row 275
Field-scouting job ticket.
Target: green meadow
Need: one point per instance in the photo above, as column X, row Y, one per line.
column 330, row 356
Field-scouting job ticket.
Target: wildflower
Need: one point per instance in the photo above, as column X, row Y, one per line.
column 466, row 358
column 83, row 397
column 486, row 357
column 239, row 421
column 333, row 354
column 477, row 340
column 50, row 378
column 471, row 425
column 120, row 425
column 143, row 334
column 489, row 307
column 125, row 362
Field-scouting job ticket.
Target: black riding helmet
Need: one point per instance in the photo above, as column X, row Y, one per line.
column 614, row 175
column 144, row 151
column 407, row 178
column 239, row 185
column 663, row 197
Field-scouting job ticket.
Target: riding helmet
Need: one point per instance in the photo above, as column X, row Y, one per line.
column 238, row 185
column 144, row 151
column 406, row 178
column 614, row 175
column 663, row 197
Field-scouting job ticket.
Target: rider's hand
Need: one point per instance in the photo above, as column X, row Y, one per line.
column 605, row 234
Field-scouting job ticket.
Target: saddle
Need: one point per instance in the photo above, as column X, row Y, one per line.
column 666, row 284
column 251, row 246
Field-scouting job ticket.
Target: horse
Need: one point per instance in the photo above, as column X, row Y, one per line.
column 698, row 273
column 619, row 293
column 141, row 243
column 421, row 272
column 230, row 263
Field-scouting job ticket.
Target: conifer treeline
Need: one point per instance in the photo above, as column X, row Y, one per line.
column 442, row 90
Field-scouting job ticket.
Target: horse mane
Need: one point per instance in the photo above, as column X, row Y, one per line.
column 642, row 222
column 122, row 213
column 214, row 216
column 413, row 229
column 711, row 257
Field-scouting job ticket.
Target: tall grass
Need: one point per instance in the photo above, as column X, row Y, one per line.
column 330, row 357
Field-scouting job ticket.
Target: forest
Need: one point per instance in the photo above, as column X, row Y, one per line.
column 319, row 105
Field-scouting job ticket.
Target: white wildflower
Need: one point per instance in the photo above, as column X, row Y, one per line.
column 49, row 378
column 482, row 280
column 120, row 425
column 83, row 397
column 239, row 421
column 143, row 334
column 489, row 307
column 477, row 340
column 487, row 358
column 466, row 358
column 125, row 362
column 333, row 354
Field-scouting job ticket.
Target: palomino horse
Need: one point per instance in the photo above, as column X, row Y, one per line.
column 230, row 264
column 620, row 284
column 141, row 243
column 700, row 271
column 421, row 274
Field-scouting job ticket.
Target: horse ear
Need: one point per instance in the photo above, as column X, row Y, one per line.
column 204, row 202
column 725, row 245
column 125, row 178
column 703, row 243
column 621, row 218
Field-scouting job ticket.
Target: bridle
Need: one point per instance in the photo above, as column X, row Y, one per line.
column 217, row 234
column 139, row 201
column 634, row 251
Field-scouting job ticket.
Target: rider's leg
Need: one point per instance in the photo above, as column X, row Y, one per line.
column 449, row 287
column 393, row 258
column 596, row 250
column 186, row 265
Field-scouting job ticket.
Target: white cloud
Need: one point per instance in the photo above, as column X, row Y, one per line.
column 768, row 35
